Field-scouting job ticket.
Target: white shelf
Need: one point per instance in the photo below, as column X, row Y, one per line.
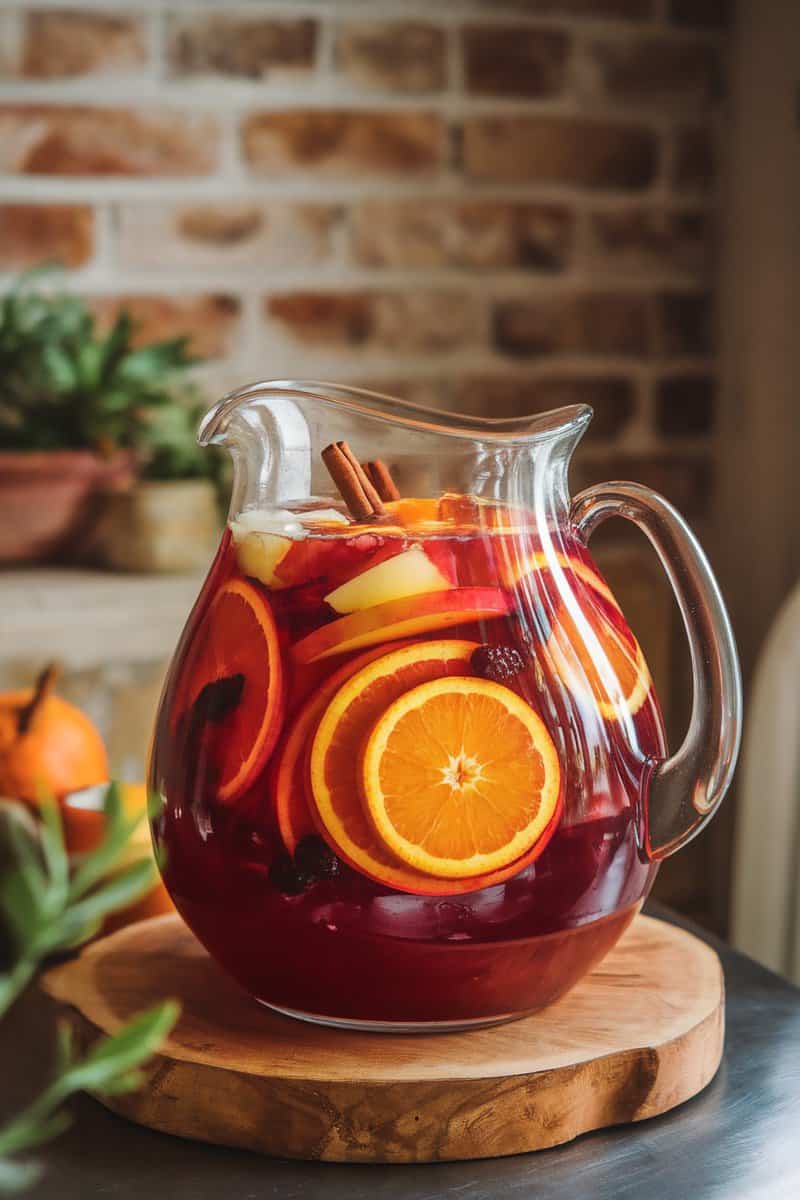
column 92, row 618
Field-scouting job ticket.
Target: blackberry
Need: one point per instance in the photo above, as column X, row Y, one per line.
column 314, row 857
column 498, row 663
column 284, row 875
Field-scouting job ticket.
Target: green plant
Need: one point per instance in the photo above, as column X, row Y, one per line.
column 168, row 443
column 48, row 908
column 66, row 385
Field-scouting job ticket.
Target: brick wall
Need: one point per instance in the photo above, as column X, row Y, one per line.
column 502, row 206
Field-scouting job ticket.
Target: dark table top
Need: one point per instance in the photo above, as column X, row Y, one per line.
column 738, row 1140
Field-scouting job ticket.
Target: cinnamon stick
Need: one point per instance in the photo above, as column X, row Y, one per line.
column 350, row 478
column 380, row 477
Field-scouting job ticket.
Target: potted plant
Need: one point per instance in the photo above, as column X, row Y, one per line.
column 74, row 403
column 170, row 519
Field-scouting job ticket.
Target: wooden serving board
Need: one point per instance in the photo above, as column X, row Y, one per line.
column 642, row 1033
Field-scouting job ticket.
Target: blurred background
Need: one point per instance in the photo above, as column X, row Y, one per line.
column 498, row 207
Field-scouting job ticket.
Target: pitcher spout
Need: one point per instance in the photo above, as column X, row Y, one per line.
column 365, row 404
column 276, row 432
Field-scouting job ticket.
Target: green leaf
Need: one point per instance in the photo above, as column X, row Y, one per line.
column 129, row 1082
column 17, row 1177
column 89, row 362
column 55, row 852
column 22, row 909
column 64, row 384
column 117, row 345
column 14, row 981
column 44, row 915
column 71, row 940
column 122, row 889
column 27, row 858
column 123, row 1052
column 33, row 1129
column 65, row 1044
column 61, row 371
column 117, row 833
column 152, row 362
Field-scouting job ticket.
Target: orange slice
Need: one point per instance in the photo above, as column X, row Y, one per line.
column 595, row 653
column 460, row 777
column 333, row 777
column 239, row 638
column 515, row 561
column 287, row 785
column 405, row 618
column 414, row 511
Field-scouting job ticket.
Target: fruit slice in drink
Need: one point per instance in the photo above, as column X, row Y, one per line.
column 460, row 777
column 596, row 654
column 515, row 561
column 410, row 573
column 395, row 619
column 233, row 682
column 334, row 766
column 287, row 785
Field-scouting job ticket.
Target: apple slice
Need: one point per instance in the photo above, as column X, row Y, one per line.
column 259, row 554
column 409, row 617
column 410, row 573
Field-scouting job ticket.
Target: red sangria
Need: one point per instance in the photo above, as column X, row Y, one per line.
column 403, row 757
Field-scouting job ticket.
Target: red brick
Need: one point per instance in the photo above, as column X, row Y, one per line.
column 248, row 234
column 514, row 60
column 210, row 321
column 613, row 399
column 339, row 142
column 695, row 159
column 575, row 151
column 323, row 318
column 685, row 405
column 448, row 233
column 643, row 240
column 396, row 56
column 60, row 44
column 684, row 324
column 33, row 233
column 656, row 72
column 240, row 46
column 686, row 480
column 45, row 139
column 616, row 323
column 423, row 320
column 701, row 14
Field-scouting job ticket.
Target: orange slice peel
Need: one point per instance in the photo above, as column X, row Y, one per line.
column 287, row 782
column 599, row 657
column 240, row 637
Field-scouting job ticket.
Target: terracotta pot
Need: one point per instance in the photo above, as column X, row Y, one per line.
column 160, row 526
column 46, row 499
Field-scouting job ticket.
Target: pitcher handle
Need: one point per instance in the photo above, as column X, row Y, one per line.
column 680, row 794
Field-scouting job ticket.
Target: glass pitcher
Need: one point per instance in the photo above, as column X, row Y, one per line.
column 411, row 765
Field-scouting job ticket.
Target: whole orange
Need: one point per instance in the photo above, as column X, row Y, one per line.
column 47, row 744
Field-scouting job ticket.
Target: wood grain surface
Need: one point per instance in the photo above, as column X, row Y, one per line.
column 642, row 1033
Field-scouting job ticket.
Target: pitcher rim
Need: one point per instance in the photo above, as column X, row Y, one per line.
column 421, row 418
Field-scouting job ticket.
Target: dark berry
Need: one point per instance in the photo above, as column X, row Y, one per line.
column 314, row 857
column 284, row 875
column 498, row 663
column 218, row 698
